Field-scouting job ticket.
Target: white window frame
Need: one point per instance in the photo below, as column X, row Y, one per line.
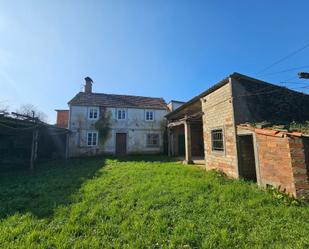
column 92, row 109
column 92, row 140
column 153, row 115
column 123, row 114
column 153, row 145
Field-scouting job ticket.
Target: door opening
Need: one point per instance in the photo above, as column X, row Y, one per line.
column 246, row 158
column 121, row 144
column 181, row 145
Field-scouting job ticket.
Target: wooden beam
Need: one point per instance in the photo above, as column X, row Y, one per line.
column 176, row 123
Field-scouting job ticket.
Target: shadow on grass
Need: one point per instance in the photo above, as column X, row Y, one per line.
column 49, row 186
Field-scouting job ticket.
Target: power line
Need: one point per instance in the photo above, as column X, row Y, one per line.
column 261, row 92
column 291, row 78
column 282, row 88
column 293, row 82
column 284, row 58
column 284, row 71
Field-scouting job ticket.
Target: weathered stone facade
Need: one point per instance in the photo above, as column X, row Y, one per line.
column 103, row 123
column 134, row 126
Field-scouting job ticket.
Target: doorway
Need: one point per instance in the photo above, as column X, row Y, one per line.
column 121, row 144
column 246, row 158
column 181, row 145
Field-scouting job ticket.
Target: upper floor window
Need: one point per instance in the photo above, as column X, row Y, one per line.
column 121, row 114
column 93, row 113
column 217, row 140
column 153, row 140
column 149, row 115
column 92, row 138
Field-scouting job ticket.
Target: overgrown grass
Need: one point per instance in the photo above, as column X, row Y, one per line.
column 142, row 203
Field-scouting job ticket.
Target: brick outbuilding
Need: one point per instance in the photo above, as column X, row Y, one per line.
column 281, row 159
column 267, row 156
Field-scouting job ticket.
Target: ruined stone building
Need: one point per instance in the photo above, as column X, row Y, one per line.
column 226, row 126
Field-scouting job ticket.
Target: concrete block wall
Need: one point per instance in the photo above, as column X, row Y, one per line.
column 218, row 113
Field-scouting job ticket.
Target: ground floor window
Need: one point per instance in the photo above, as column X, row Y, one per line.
column 153, row 140
column 92, row 138
column 217, row 140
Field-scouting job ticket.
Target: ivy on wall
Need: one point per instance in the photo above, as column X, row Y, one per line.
column 103, row 125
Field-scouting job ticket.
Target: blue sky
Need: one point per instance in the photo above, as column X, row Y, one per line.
column 170, row 49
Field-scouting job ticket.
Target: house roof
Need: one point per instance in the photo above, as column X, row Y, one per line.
column 115, row 100
column 218, row 85
column 198, row 97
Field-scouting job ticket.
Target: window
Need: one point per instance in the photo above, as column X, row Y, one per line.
column 153, row 140
column 121, row 114
column 149, row 115
column 217, row 140
column 92, row 138
column 93, row 113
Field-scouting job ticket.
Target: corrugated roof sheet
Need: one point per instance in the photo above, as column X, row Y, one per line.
column 115, row 100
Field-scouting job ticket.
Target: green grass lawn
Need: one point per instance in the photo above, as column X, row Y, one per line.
column 141, row 202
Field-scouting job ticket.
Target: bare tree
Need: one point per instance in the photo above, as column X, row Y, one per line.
column 4, row 109
column 30, row 110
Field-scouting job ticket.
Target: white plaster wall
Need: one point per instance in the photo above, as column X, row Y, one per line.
column 135, row 126
column 174, row 105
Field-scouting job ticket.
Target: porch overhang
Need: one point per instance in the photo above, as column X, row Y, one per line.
column 194, row 118
column 188, row 116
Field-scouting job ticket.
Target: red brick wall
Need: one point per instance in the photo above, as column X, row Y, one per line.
column 299, row 168
column 275, row 162
column 62, row 118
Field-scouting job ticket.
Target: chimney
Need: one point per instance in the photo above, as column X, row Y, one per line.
column 88, row 85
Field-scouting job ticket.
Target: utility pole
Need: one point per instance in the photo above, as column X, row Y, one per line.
column 303, row 75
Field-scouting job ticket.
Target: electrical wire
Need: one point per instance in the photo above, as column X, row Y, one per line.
column 284, row 58
column 284, row 71
column 293, row 82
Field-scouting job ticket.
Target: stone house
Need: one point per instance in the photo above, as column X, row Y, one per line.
column 220, row 126
column 115, row 124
